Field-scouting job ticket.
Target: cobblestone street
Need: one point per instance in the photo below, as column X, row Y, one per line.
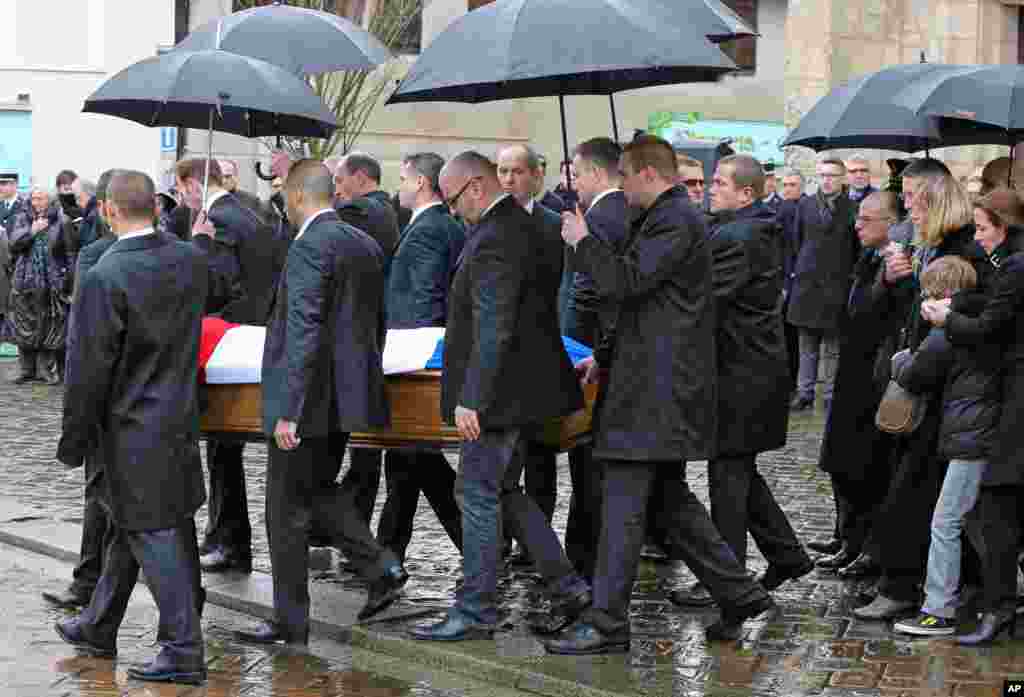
column 815, row 648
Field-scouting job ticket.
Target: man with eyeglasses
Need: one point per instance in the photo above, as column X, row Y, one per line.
column 854, row 452
column 691, row 175
column 827, row 249
column 858, row 172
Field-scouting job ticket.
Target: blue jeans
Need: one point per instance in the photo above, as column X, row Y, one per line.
column 487, row 490
column 957, row 498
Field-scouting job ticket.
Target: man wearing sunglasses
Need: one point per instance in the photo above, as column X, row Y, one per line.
column 691, row 175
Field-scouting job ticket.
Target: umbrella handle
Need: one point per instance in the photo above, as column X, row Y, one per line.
column 259, row 173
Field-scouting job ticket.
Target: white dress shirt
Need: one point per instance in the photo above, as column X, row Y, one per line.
column 419, row 211
column 310, row 219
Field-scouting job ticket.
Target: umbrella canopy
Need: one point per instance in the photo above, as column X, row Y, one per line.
column 992, row 95
column 214, row 90
column 864, row 113
column 297, row 39
column 541, row 48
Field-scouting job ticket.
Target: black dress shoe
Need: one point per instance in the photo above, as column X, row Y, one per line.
column 564, row 613
column 71, row 632
column 774, row 576
column 384, row 591
column 222, row 559
column 159, row 670
column 270, row 633
column 22, row 378
column 863, row 565
column 69, row 599
column 991, row 626
column 584, row 639
column 696, row 595
column 454, row 627
column 825, row 546
column 730, row 626
column 844, row 557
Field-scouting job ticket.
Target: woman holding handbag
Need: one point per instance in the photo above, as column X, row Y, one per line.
column 942, row 216
column 995, row 522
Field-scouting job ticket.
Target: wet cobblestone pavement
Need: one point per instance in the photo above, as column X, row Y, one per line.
column 815, row 647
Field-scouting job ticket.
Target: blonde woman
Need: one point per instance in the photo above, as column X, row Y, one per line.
column 942, row 215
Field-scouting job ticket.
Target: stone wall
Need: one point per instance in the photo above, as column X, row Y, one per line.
column 831, row 41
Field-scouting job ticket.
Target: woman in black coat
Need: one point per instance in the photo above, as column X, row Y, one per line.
column 995, row 522
column 942, row 216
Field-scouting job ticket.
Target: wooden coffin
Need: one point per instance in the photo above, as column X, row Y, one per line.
column 415, row 398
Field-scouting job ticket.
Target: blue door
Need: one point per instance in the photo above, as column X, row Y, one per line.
column 16, row 145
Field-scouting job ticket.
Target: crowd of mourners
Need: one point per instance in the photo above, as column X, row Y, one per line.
column 715, row 310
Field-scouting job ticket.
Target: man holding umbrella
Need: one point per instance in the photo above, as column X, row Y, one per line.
column 662, row 353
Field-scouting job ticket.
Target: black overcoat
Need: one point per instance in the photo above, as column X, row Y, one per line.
column 421, row 270
column 753, row 368
column 852, row 445
column 246, row 251
column 322, row 360
column 131, row 380
column 656, row 403
column 1002, row 321
column 826, row 252
column 504, row 356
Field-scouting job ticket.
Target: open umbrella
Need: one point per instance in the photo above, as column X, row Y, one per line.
column 864, row 113
column 301, row 41
column 540, row 48
column 216, row 90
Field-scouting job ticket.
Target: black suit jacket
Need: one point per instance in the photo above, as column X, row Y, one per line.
column 549, row 224
column 608, row 220
column 503, row 354
column 322, row 364
column 130, row 388
column 8, row 216
column 421, row 270
column 374, row 215
column 248, row 253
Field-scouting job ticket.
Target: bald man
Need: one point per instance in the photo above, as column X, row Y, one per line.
column 505, row 373
column 322, row 378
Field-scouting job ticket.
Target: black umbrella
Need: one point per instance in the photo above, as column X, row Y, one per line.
column 986, row 95
column 301, row 41
column 864, row 113
column 540, row 48
column 216, row 90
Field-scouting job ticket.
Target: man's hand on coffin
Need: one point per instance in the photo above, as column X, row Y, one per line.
column 574, row 227
column 588, row 371
column 203, row 226
column 467, row 422
column 285, row 435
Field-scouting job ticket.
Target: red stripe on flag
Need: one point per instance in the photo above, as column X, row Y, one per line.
column 214, row 329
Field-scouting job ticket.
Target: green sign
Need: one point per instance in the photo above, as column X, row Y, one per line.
column 757, row 138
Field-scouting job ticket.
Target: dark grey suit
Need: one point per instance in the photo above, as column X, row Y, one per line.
column 244, row 252
column 417, row 296
column 322, row 370
column 130, row 393
column 374, row 215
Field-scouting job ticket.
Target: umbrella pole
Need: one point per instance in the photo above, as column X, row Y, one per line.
column 209, row 156
column 1009, row 174
column 615, row 120
column 565, row 141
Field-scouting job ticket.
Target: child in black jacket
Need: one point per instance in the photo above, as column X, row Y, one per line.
column 969, row 379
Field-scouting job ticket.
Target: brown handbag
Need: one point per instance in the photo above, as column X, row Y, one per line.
column 900, row 411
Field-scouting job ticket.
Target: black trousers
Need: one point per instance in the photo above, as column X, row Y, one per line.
column 994, row 527
column 541, row 477
column 304, row 498
column 407, row 474
column 740, row 501
column 170, row 560
column 95, row 528
column 583, row 527
column 857, row 504
column 634, row 491
column 228, row 523
column 792, row 350
column 362, row 480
